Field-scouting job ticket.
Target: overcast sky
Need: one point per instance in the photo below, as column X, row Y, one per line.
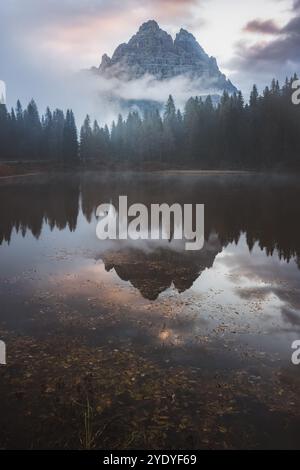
column 43, row 41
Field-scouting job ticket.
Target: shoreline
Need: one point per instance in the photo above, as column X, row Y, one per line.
column 20, row 170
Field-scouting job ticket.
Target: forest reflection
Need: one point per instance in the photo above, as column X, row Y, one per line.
column 265, row 209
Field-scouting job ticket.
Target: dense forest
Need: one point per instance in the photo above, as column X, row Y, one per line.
column 261, row 134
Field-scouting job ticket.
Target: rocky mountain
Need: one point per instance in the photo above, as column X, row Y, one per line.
column 152, row 51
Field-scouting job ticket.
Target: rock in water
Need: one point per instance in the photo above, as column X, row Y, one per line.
column 152, row 51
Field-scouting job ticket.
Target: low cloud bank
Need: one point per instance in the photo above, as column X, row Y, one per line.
column 104, row 98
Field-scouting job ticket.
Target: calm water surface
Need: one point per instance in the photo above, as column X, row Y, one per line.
column 143, row 344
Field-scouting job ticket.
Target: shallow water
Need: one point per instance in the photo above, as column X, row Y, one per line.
column 159, row 347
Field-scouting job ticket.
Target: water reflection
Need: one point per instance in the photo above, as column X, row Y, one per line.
column 27, row 204
column 149, row 330
column 266, row 211
column 153, row 272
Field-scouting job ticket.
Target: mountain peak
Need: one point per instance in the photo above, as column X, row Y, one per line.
column 150, row 25
column 186, row 42
column 106, row 60
column 186, row 33
column 152, row 51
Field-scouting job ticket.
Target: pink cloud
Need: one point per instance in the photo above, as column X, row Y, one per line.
column 263, row 27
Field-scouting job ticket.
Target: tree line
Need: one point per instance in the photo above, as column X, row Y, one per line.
column 261, row 134
column 24, row 136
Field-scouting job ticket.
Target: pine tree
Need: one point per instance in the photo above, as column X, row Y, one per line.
column 70, row 142
column 98, row 143
column 86, row 138
column 254, row 97
column 4, row 133
column 169, row 129
column 33, row 132
column 58, row 123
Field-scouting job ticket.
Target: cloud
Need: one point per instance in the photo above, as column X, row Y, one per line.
column 293, row 27
column 282, row 51
column 51, row 41
column 263, row 27
column 104, row 98
column 168, row 10
column 68, row 12
column 73, row 34
column 296, row 5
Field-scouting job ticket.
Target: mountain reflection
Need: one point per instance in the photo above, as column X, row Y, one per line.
column 154, row 272
column 266, row 210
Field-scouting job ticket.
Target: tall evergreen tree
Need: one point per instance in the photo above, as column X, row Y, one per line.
column 70, row 141
column 86, row 137
column 33, row 131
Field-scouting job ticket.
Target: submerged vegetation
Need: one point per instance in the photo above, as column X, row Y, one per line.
column 262, row 134
column 84, row 382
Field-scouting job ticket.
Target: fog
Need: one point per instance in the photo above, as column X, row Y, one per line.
column 105, row 98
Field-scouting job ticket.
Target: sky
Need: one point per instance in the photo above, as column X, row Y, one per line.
column 44, row 43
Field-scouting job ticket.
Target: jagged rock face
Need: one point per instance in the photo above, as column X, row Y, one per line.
column 153, row 51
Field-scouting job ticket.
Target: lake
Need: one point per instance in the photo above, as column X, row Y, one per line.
column 144, row 345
